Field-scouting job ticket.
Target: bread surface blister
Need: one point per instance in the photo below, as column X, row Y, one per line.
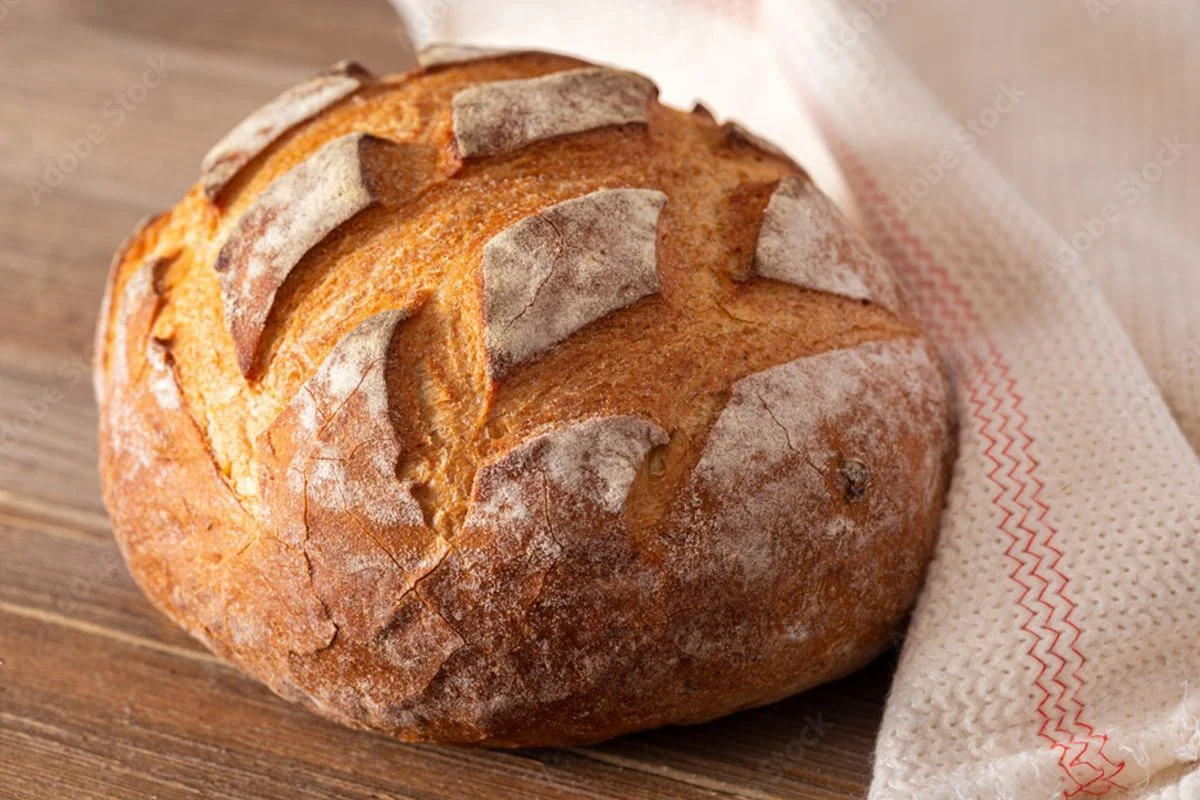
column 498, row 403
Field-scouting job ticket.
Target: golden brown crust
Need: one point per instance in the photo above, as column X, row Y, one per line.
column 540, row 447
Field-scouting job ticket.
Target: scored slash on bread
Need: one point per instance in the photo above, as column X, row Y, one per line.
column 503, row 116
column 255, row 133
column 878, row 397
column 551, row 274
column 136, row 357
column 630, row 429
column 104, row 321
column 136, row 309
column 329, row 482
column 807, row 242
column 554, row 499
column 286, row 221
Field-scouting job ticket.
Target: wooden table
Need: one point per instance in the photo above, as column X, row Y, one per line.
column 105, row 111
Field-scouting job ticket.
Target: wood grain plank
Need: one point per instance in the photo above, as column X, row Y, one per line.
column 150, row 719
column 295, row 32
column 80, row 580
column 812, row 746
column 48, row 441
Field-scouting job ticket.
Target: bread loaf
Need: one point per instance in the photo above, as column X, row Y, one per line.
column 498, row 403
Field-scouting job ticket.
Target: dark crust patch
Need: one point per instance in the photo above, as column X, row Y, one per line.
column 856, row 478
column 703, row 111
column 286, row 221
column 737, row 133
column 256, row 132
column 503, row 116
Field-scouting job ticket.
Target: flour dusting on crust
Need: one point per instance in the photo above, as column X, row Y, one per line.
column 348, row 396
column 330, row 487
column 139, row 300
column 807, row 242
column 136, row 310
column 553, row 273
column 286, row 221
column 545, row 515
column 355, row 367
column 106, row 305
column 253, row 134
column 415, row 646
column 789, row 434
column 769, row 519
column 592, row 461
column 163, row 385
column 592, row 577
column 507, row 115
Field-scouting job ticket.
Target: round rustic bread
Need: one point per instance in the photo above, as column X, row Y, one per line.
column 498, row 403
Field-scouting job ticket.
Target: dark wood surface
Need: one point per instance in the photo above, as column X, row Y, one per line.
column 99, row 695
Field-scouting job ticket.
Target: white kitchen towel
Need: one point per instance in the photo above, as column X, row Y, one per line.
column 1027, row 167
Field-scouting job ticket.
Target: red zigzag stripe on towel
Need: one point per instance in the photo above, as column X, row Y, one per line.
column 1001, row 424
